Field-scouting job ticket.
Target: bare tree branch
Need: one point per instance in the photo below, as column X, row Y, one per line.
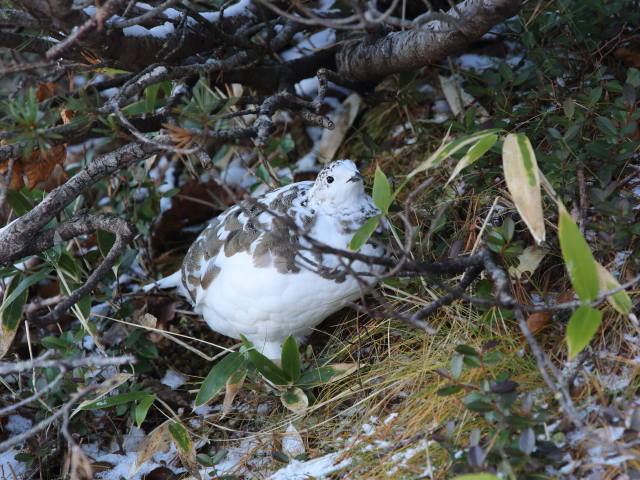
column 63, row 365
column 402, row 51
column 66, row 363
column 16, row 239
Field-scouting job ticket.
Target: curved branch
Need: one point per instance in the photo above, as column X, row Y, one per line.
column 16, row 239
column 396, row 52
column 123, row 231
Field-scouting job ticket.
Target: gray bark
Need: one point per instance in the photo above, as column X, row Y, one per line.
column 17, row 239
column 396, row 52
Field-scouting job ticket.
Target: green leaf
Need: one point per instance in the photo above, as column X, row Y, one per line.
column 595, row 95
column 578, row 258
column 471, row 361
column 447, row 149
column 171, row 193
column 364, row 232
column 105, row 241
column 633, row 77
column 287, row 144
column 291, row 359
column 621, row 300
column 10, row 317
column 204, row 459
column 381, row 191
column 181, row 437
column 477, row 402
column 606, row 126
column 449, row 389
column 115, row 400
column 455, row 366
column 266, row 367
column 479, row 406
column 467, row 350
column 212, row 460
column 481, row 147
column 295, row 400
column 476, row 476
column 326, row 374
column 55, row 342
column 18, row 202
column 21, row 288
column 24, row 457
column 218, row 376
column 16, row 297
column 142, row 408
column 151, row 95
column 569, row 107
column 583, row 325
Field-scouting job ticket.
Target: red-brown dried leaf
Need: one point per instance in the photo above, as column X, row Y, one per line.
column 538, row 320
column 44, row 91
column 40, row 166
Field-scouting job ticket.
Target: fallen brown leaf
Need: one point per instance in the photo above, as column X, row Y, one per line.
column 537, row 320
column 157, row 441
column 234, row 384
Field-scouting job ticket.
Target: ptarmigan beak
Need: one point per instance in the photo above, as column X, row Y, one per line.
column 356, row 178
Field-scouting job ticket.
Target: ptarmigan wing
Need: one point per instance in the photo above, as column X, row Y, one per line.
column 248, row 227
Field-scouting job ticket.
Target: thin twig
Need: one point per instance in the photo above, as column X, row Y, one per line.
column 64, row 410
column 68, row 363
column 39, row 394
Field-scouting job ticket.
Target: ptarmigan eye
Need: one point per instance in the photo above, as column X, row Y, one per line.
column 329, row 179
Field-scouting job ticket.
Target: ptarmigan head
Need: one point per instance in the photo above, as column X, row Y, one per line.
column 338, row 184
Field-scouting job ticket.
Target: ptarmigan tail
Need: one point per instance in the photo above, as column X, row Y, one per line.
column 172, row 281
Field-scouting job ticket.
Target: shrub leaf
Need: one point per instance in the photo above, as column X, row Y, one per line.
column 363, row 233
column 521, row 175
column 381, row 191
column 621, row 300
column 291, row 359
column 218, row 376
column 583, row 325
column 578, row 258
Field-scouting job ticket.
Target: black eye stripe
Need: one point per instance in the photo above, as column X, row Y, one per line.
column 329, row 179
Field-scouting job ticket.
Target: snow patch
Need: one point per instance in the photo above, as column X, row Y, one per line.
column 173, row 379
column 310, row 44
column 236, row 174
column 390, row 418
column 18, row 424
column 231, row 11
column 317, row 468
column 9, row 466
column 88, row 343
column 400, row 459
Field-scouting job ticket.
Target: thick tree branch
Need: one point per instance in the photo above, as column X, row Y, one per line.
column 368, row 62
column 17, row 237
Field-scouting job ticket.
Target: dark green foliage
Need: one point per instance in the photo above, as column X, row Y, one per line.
column 505, row 442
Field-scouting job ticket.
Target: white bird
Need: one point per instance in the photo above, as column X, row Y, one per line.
column 250, row 273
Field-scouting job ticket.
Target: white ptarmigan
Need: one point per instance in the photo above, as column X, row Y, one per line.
column 250, row 273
